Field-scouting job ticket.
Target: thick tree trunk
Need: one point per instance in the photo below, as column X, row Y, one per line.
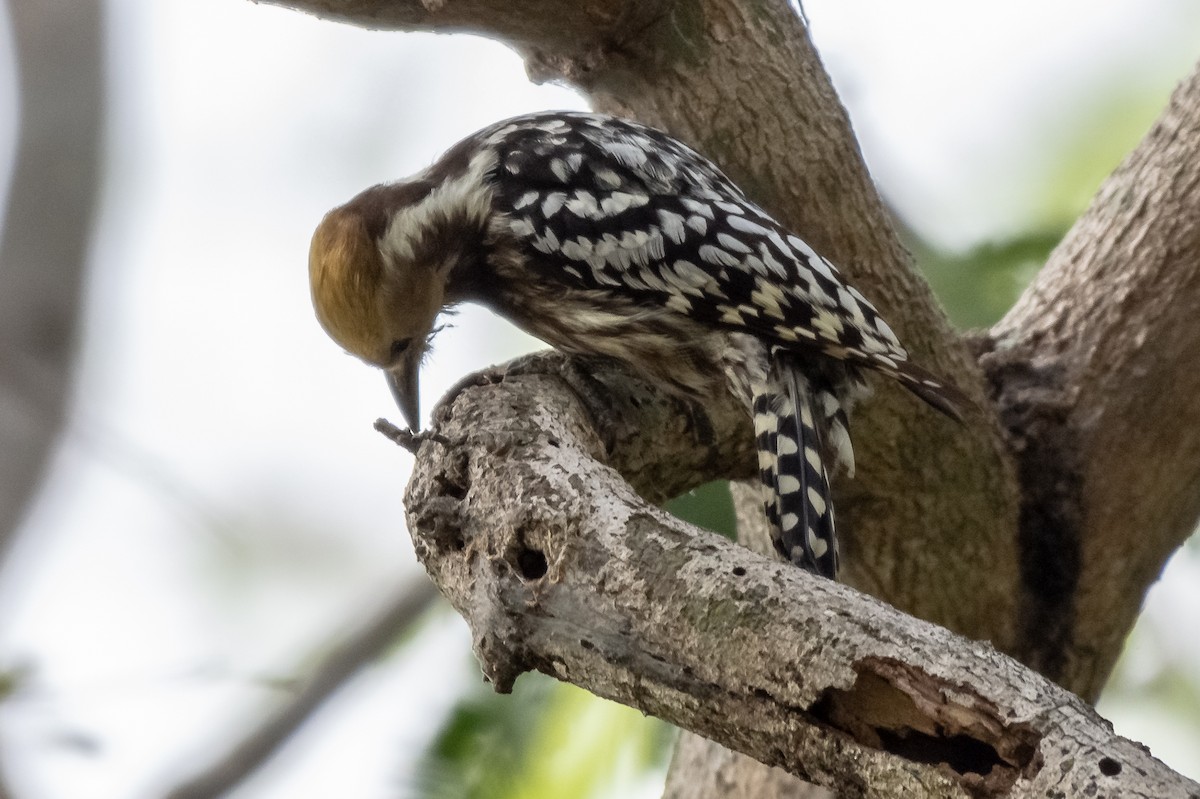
column 1092, row 372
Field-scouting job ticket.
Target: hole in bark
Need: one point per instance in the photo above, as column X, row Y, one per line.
column 738, row 571
column 899, row 709
column 1109, row 767
column 440, row 526
column 451, row 488
column 532, row 564
column 586, row 644
column 962, row 753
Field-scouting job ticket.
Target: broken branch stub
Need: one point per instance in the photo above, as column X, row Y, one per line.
column 521, row 516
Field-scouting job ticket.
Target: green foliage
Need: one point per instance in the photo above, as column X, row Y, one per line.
column 709, row 506
column 545, row 740
column 1082, row 152
column 978, row 286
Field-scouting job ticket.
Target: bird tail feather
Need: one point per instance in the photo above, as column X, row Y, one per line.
column 789, row 416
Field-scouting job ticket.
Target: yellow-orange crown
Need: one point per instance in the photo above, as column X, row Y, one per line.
column 345, row 270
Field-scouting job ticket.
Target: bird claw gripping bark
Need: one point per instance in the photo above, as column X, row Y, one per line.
column 604, row 237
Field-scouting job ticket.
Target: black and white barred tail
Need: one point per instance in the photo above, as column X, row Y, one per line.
column 800, row 426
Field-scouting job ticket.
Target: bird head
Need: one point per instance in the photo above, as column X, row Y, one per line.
column 378, row 302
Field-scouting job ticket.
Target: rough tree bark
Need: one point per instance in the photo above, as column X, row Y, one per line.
column 530, row 512
column 1038, row 526
column 1091, row 372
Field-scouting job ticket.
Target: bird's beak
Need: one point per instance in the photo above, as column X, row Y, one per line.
column 403, row 379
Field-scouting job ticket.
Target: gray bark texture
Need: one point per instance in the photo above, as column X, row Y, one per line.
column 534, row 526
column 1037, row 526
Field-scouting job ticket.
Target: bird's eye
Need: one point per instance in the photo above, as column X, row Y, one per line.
column 399, row 346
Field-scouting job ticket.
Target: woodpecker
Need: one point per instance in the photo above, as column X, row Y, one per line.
column 603, row 236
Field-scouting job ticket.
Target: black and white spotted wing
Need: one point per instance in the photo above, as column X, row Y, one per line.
column 607, row 203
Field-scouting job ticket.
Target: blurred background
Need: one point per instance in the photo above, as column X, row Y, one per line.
column 217, row 517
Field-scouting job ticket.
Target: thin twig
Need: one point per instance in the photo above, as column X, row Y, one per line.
column 405, row 437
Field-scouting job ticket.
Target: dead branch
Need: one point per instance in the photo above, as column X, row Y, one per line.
column 527, row 526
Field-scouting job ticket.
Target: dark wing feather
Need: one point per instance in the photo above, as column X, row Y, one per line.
column 603, row 203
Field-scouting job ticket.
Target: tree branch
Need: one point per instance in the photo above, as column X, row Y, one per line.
column 43, row 253
column 345, row 660
column 557, row 565
column 549, row 29
column 1093, row 374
